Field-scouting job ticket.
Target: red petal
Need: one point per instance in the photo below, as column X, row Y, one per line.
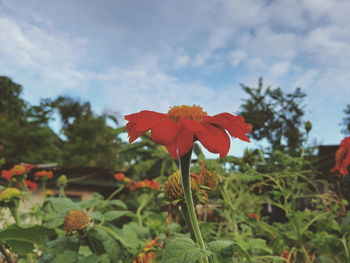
column 132, row 132
column 235, row 125
column 165, row 132
column 184, row 141
column 145, row 120
column 182, row 145
column 172, row 150
column 215, row 140
column 192, row 125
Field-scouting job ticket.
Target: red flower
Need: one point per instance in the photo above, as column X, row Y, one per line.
column 31, row 185
column 342, row 157
column 285, row 254
column 43, row 175
column 147, row 256
column 119, row 176
column 28, row 167
column 6, row 174
column 253, row 216
column 153, row 184
column 182, row 125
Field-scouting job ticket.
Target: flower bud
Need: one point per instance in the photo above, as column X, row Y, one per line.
column 62, row 181
column 308, row 126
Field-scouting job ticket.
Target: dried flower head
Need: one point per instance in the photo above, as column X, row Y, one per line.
column 209, row 179
column 173, row 187
column 76, row 220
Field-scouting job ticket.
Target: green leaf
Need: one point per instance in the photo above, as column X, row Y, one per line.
column 241, row 251
column 94, row 258
column 182, row 249
column 133, row 234
column 113, row 215
column 20, row 247
column 118, row 203
column 34, row 234
column 68, row 256
column 97, row 215
column 222, row 250
column 101, row 243
column 62, row 205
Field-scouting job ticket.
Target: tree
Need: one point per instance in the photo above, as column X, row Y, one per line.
column 346, row 120
column 24, row 128
column 88, row 139
column 276, row 116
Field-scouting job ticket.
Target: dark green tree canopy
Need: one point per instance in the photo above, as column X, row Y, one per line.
column 85, row 137
column 276, row 116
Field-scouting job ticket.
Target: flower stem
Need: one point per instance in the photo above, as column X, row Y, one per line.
column 115, row 193
column 185, row 162
column 61, row 192
column 186, row 216
column 14, row 214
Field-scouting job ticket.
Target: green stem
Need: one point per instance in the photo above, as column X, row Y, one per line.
column 185, row 162
column 43, row 185
column 117, row 191
column 61, row 191
column 14, row 214
column 188, row 221
column 144, row 202
column 343, row 240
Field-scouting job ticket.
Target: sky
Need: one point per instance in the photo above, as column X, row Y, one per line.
column 127, row 56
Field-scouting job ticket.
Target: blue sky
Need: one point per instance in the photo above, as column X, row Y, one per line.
column 126, row 56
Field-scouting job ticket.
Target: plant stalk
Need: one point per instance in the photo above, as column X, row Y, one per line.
column 185, row 162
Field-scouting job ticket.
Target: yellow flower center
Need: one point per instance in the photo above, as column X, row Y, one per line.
column 194, row 112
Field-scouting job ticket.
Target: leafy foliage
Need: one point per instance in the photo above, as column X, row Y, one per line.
column 276, row 116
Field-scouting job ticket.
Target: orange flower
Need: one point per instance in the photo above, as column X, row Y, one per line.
column 43, row 175
column 254, row 216
column 342, row 157
column 18, row 169
column 147, row 256
column 119, row 176
column 182, row 125
column 153, row 184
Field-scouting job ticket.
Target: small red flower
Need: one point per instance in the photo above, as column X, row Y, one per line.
column 6, row 174
column 119, row 176
column 153, row 184
column 31, row 185
column 182, row 125
column 147, row 256
column 342, row 157
column 28, row 167
column 43, row 175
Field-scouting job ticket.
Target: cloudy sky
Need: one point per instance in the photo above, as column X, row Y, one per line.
column 127, row 56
